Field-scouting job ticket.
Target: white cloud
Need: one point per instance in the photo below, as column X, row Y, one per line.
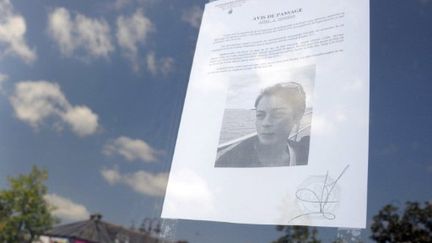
column 118, row 4
column 159, row 66
column 66, row 209
column 133, row 31
column 12, row 31
column 147, row 183
column 131, row 149
column 94, row 34
column 79, row 33
column 141, row 181
column 34, row 102
column 3, row 78
column 60, row 27
column 82, row 120
column 112, row 176
column 193, row 16
column 151, row 63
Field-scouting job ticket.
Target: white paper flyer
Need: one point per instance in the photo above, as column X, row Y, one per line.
column 275, row 124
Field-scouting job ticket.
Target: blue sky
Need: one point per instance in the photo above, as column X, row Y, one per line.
column 93, row 92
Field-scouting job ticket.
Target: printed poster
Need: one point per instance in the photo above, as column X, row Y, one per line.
column 275, row 122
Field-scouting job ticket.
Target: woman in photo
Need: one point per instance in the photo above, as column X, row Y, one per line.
column 279, row 110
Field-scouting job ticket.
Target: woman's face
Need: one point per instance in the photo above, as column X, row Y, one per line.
column 274, row 120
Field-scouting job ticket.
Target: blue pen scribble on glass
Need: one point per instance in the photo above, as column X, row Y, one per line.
column 318, row 195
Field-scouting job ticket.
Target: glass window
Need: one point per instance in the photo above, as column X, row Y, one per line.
column 91, row 96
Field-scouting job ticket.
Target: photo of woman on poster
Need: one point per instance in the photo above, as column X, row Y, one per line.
column 279, row 110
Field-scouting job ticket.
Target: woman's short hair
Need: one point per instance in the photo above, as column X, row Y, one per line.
column 291, row 91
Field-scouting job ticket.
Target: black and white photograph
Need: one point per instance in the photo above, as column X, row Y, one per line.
column 267, row 123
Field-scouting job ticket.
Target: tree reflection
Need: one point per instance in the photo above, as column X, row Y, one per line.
column 414, row 224
column 297, row 234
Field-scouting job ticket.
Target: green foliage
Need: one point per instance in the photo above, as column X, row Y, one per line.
column 413, row 225
column 24, row 214
column 297, row 234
